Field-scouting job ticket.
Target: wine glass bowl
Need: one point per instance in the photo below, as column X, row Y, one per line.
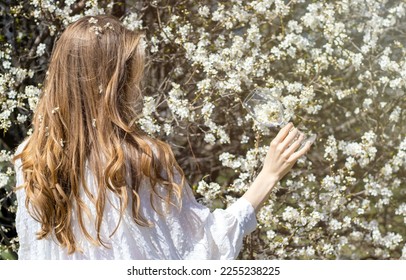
column 267, row 110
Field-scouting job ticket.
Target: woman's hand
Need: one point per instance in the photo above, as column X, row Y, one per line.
column 282, row 155
column 283, row 152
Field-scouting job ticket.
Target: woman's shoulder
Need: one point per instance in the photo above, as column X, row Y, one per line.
column 22, row 145
column 16, row 160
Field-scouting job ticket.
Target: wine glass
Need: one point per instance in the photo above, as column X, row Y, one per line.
column 266, row 108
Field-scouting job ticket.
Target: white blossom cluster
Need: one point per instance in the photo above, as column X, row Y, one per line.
column 339, row 70
column 209, row 192
column 363, row 152
column 147, row 121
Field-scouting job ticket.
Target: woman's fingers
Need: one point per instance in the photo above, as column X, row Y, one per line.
column 283, row 152
column 295, row 145
column 283, row 133
column 289, row 139
column 296, row 155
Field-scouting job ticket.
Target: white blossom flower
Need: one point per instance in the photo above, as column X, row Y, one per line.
column 394, row 116
column 270, row 234
column 149, row 125
column 210, row 192
column 310, row 251
column 290, row 214
column 335, row 225
column 204, row 11
column 244, row 139
column 132, row 21
column 331, row 149
column 41, row 49
column 21, row 118
column 209, row 138
column 168, row 129
column 6, row 64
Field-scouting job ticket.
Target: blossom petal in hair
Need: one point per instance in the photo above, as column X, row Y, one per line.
column 93, row 20
column 108, row 26
column 54, row 110
column 97, row 30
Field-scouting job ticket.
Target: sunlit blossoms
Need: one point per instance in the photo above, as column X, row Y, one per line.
column 337, row 67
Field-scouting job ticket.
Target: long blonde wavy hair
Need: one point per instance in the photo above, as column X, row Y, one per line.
column 86, row 117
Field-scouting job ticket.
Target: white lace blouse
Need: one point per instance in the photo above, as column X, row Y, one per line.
column 191, row 233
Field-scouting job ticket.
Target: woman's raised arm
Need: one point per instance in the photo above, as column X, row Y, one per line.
column 282, row 155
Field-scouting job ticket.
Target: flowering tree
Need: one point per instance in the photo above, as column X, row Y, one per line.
column 339, row 68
